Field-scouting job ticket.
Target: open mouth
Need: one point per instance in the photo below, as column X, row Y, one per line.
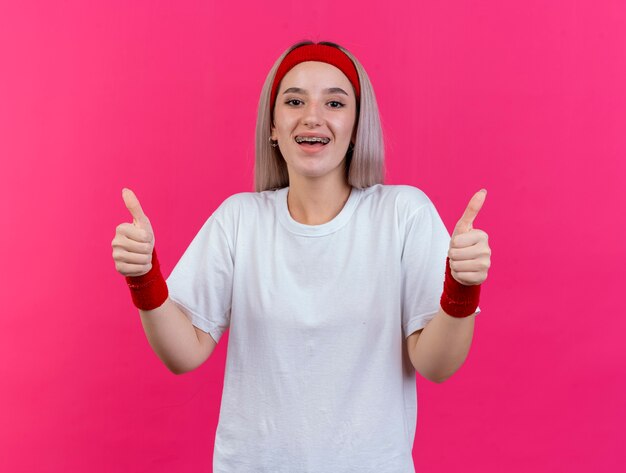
column 312, row 141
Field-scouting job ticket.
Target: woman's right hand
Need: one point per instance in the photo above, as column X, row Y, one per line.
column 134, row 242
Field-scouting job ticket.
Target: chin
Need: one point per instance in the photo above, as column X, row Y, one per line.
column 314, row 172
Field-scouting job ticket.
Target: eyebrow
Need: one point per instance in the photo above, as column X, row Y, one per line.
column 331, row 90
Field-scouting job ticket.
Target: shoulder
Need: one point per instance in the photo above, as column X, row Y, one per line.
column 244, row 208
column 246, row 203
column 403, row 198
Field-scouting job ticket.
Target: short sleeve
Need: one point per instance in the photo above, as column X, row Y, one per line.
column 423, row 267
column 201, row 282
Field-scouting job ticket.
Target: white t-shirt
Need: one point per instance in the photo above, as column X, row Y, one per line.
column 317, row 375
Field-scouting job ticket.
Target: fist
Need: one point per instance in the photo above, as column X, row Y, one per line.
column 133, row 242
column 469, row 252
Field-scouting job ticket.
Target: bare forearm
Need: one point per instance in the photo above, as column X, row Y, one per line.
column 442, row 347
column 172, row 337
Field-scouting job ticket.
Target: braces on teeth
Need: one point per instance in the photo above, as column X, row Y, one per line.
column 312, row 139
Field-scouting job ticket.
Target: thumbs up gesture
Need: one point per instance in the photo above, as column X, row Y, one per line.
column 469, row 253
column 133, row 242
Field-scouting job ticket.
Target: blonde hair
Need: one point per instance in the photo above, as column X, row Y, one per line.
column 365, row 164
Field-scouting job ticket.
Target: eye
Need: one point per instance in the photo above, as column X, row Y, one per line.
column 337, row 104
column 289, row 102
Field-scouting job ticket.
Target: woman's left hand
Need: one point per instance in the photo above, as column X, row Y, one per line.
column 469, row 253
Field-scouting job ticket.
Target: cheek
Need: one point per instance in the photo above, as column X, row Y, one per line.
column 284, row 123
column 346, row 127
column 350, row 123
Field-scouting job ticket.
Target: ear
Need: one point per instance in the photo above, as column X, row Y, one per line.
column 273, row 133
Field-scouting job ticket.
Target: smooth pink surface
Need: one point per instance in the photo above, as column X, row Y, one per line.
column 526, row 99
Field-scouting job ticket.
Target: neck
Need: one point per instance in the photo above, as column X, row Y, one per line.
column 316, row 202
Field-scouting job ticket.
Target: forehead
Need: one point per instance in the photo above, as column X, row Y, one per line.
column 312, row 75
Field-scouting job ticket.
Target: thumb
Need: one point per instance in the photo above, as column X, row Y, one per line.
column 466, row 222
column 134, row 207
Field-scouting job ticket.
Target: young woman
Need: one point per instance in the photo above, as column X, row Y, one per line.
column 335, row 288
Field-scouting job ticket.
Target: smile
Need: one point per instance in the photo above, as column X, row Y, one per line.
column 312, row 140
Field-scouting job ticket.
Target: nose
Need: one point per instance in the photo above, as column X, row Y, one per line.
column 313, row 114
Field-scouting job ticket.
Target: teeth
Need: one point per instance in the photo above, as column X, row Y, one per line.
column 312, row 139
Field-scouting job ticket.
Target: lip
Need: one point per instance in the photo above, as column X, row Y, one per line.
column 311, row 150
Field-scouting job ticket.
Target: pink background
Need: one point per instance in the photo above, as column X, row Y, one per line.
column 526, row 99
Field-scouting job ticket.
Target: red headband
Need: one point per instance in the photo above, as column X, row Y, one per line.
column 316, row 52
